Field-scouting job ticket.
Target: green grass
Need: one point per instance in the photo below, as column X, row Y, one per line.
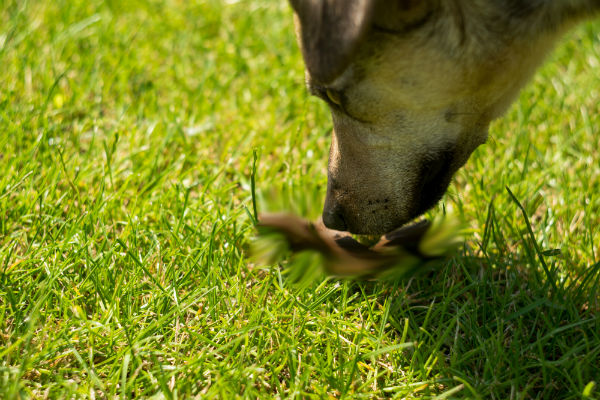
column 126, row 149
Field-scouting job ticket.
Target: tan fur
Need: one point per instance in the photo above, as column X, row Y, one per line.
column 418, row 95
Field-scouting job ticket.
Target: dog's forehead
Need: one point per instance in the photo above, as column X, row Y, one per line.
column 401, row 75
column 425, row 70
column 443, row 76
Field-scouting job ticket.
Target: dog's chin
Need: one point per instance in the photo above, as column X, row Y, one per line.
column 364, row 222
column 378, row 227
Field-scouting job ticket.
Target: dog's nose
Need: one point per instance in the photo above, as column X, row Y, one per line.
column 334, row 219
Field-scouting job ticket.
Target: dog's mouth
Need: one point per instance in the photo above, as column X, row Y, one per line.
column 370, row 234
column 369, row 230
column 367, row 240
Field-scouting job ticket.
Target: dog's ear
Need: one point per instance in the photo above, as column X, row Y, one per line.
column 330, row 31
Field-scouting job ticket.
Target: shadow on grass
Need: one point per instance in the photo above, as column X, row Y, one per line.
column 499, row 327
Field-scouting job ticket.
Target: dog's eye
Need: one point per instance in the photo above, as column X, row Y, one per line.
column 334, row 97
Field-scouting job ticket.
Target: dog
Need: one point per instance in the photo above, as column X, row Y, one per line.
column 412, row 86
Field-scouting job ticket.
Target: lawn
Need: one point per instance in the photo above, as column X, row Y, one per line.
column 127, row 140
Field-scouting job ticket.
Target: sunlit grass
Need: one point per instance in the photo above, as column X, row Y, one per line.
column 127, row 132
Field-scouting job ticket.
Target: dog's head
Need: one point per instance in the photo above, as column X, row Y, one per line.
column 412, row 86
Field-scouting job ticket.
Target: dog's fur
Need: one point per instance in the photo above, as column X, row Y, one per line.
column 412, row 86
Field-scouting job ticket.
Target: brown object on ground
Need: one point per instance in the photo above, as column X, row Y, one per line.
column 344, row 255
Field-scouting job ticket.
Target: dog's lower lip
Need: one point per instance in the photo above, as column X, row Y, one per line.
column 379, row 233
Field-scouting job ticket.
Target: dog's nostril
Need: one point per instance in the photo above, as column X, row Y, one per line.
column 334, row 219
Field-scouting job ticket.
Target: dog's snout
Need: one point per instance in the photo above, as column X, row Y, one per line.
column 334, row 219
column 435, row 175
